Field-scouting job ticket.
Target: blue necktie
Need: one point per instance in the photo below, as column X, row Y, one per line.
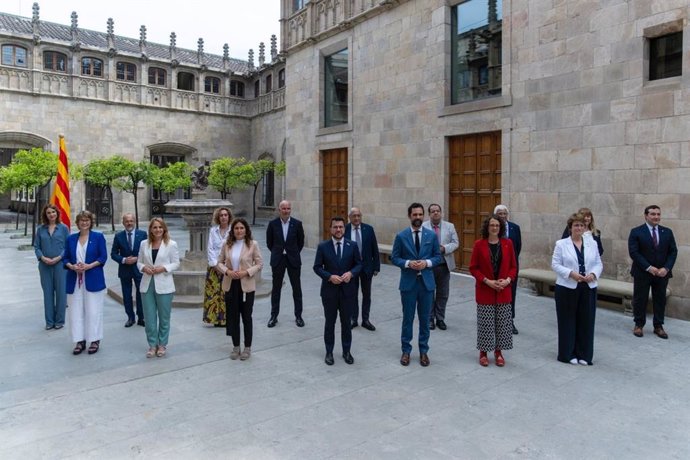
column 337, row 251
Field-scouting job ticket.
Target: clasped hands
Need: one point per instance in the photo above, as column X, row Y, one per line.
column 236, row 274
column 583, row 279
column 660, row 272
column 497, row 285
column 51, row 260
column 81, row 267
column 418, row 265
column 151, row 270
column 344, row 278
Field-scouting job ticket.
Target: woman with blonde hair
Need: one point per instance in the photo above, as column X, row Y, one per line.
column 591, row 231
column 214, row 299
column 158, row 258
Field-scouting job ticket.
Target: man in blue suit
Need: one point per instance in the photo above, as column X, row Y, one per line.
column 512, row 232
column 338, row 264
column 364, row 236
column 653, row 251
column 416, row 251
column 285, row 240
column 125, row 252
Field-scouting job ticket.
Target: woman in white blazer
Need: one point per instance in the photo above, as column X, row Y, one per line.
column 239, row 260
column 158, row 258
column 577, row 264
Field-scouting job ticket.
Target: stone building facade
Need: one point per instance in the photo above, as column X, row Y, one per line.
column 116, row 95
column 591, row 110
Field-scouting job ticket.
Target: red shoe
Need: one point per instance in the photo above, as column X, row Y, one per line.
column 483, row 359
column 500, row 362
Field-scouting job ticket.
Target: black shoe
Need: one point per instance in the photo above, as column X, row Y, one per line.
column 59, row 326
column 129, row 323
column 441, row 324
column 272, row 322
column 515, row 331
column 353, row 324
column 329, row 359
column 367, row 325
column 348, row 357
column 432, row 326
column 141, row 323
column 299, row 321
column 49, row 327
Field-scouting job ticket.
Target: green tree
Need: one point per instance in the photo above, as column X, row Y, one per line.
column 170, row 178
column 228, row 174
column 136, row 172
column 256, row 173
column 104, row 172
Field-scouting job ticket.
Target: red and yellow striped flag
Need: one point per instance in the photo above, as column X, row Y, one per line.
column 60, row 197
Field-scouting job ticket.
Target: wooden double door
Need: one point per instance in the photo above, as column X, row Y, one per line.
column 334, row 189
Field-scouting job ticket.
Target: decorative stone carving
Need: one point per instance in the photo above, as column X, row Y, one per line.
column 262, row 54
column 250, row 61
column 274, row 47
column 200, row 51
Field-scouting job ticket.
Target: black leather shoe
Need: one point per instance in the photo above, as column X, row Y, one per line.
column 299, row 321
column 141, row 323
column 329, row 359
column 272, row 322
column 432, row 325
column 441, row 324
column 347, row 356
column 367, row 325
column 353, row 324
column 515, row 331
column 129, row 323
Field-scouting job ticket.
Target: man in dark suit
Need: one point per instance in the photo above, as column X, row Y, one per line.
column 285, row 240
column 338, row 264
column 653, row 251
column 125, row 252
column 363, row 234
column 415, row 252
column 512, row 232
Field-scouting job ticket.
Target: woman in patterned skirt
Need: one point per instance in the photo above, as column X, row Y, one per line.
column 493, row 266
column 214, row 298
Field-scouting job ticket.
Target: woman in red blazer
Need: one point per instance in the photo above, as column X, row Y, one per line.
column 494, row 267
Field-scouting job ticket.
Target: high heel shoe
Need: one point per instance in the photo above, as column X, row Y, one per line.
column 500, row 361
column 79, row 347
column 483, row 359
column 93, row 348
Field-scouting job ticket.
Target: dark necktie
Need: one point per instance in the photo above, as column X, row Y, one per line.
column 337, row 251
column 416, row 240
column 129, row 240
column 358, row 240
column 654, row 238
column 438, row 233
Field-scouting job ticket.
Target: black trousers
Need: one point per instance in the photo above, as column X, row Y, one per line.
column 278, row 275
column 331, row 307
column 239, row 304
column 641, row 286
column 364, row 281
column 575, row 312
column 513, row 287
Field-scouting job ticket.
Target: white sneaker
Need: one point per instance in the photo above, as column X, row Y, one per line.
column 582, row 362
column 573, row 361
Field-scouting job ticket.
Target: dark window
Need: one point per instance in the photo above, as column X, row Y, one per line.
column 236, row 88
column 257, row 86
column 157, row 76
column 269, row 83
column 185, row 81
column 666, row 56
column 336, row 88
column 126, row 71
column 298, row 4
column 212, row 85
column 267, row 189
column 281, row 78
column 57, row 62
column 476, row 42
column 14, row 55
column 91, row 66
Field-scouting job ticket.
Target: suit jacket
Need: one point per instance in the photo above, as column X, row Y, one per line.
column 481, row 268
column 449, row 240
column 370, row 248
column 643, row 254
column 96, row 250
column 564, row 261
column 327, row 263
column 292, row 246
column 404, row 250
column 121, row 250
column 250, row 260
column 168, row 257
column 516, row 237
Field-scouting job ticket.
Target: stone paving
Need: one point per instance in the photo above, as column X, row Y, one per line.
column 286, row 403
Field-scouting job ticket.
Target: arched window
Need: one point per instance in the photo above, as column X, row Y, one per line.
column 126, row 71
column 281, row 78
column 91, row 66
column 236, row 88
column 212, row 85
column 257, row 88
column 269, row 83
column 13, row 55
column 54, row 61
column 185, row 81
column 157, row 76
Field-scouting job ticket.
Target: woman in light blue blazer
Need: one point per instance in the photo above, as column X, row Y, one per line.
column 158, row 258
column 577, row 264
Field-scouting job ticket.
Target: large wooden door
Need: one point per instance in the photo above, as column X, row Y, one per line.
column 334, row 187
column 475, row 186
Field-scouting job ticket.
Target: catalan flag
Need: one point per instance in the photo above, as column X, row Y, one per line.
column 60, row 197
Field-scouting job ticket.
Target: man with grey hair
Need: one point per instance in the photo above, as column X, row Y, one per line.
column 365, row 237
column 125, row 252
column 512, row 232
column 448, row 241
